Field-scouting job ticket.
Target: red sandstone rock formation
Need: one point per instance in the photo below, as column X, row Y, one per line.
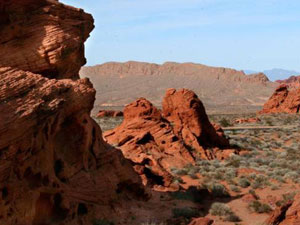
column 247, row 120
column 54, row 165
column 288, row 214
column 157, row 143
column 283, row 101
column 149, row 141
column 292, row 82
column 109, row 113
column 190, row 123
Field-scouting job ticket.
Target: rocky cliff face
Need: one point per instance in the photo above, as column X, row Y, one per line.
column 157, row 142
column 283, row 101
column 54, row 166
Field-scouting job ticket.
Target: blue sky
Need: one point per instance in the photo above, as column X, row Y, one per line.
column 241, row 34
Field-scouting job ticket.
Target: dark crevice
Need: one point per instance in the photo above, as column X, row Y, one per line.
column 125, row 140
column 82, row 209
column 153, row 178
column 58, row 167
column 4, row 193
column 145, row 139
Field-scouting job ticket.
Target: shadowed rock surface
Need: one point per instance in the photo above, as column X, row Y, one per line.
column 54, row 165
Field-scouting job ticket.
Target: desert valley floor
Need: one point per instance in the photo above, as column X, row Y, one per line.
column 245, row 188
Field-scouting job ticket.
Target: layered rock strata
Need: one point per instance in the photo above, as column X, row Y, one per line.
column 55, row 167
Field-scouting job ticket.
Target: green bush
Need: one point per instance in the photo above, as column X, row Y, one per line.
column 220, row 209
column 232, row 218
column 217, row 190
column 225, row 123
column 244, row 182
column 259, row 207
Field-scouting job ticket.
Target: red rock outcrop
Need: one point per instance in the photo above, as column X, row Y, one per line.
column 292, row 82
column 149, row 141
column 109, row 113
column 55, row 167
column 247, row 120
column 186, row 112
column 289, row 214
column 283, row 101
column 157, row 143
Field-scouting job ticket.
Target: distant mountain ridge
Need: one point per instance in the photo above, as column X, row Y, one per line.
column 276, row 73
column 118, row 84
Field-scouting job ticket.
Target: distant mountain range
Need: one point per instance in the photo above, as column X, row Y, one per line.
column 276, row 74
column 118, row 84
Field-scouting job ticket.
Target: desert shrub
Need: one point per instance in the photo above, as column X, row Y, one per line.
column 185, row 212
column 232, row 218
column 260, row 181
column 286, row 198
column 244, row 182
column 177, row 180
column 220, row 209
column 234, row 188
column 217, row 190
column 259, row 207
column 252, row 176
column 234, row 161
column 225, row 122
column 253, row 193
column 274, row 187
column 291, row 175
column 289, row 196
column 230, row 173
column 180, row 172
column 269, row 122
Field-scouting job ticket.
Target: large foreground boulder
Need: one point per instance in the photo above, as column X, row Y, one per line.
column 157, row 142
column 283, row 101
column 55, row 167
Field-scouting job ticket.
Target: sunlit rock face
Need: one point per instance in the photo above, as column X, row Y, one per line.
column 43, row 37
column 158, row 141
column 283, row 101
column 55, row 167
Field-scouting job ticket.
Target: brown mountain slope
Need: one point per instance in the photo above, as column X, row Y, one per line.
column 118, row 84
